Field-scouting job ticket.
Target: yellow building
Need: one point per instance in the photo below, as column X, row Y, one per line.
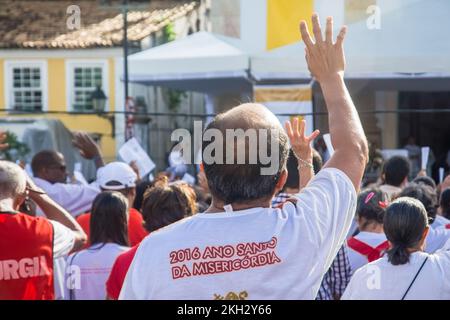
column 53, row 55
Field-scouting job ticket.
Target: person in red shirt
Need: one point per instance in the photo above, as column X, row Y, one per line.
column 119, row 176
column 162, row 205
column 29, row 244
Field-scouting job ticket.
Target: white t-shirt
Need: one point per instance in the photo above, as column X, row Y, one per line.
column 373, row 239
column 95, row 264
column 380, row 280
column 76, row 199
column 63, row 241
column 439, row 221
column 258, row 253
column 436, row 239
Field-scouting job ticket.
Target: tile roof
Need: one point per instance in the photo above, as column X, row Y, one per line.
column 42, row 24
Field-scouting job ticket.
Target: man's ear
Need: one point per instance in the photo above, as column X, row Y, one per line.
column 281, row 181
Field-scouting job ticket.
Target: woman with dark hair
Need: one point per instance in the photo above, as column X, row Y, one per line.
column 406, row 271
column 163, row 204
column 370, row 243
column 444, row 205
column 438, row 235
column 88, row 270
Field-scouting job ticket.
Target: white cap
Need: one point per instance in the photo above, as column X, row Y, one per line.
column 119, row 172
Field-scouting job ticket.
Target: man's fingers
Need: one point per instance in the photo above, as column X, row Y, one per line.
column 305, row 34
column 288, row 127
column 317, row 29
column 313, row 135
column 295, row 125
column 329, row 31
column 341, row 36
column 302, row 126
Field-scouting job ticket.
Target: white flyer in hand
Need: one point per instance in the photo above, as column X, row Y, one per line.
column 132, row 151
column 188, row 178
column 441, row 175
column 327, row 139
column 425, row 153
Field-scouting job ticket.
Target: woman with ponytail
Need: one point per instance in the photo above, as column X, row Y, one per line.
column 370, row 243
column 406, row 271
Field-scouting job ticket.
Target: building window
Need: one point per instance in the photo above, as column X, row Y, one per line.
column 83, row 80
column 26, row 86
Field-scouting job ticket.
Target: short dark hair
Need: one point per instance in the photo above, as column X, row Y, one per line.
column 445, row 203
column 404, row 223
column 293, row 179
column 425, row 194
column 238, row 183
column 426, row 181
column 395, row 170
column 109, row 221
column 43, row 159
column 166, row 203
column 372, row 205
column 141, row 187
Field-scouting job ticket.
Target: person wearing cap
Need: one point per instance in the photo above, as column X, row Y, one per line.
column 119, row 176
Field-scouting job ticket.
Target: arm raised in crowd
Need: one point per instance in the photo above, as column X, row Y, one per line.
column 88, row 148
column 301, row 146
column 326, row 62
column 54, row 211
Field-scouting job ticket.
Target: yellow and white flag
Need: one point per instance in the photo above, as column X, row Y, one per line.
column 287, row 101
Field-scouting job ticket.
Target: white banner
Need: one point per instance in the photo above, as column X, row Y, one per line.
column 287, row 101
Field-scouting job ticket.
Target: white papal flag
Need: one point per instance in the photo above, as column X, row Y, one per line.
column 287, row 101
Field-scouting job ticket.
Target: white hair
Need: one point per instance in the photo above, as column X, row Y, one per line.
column 12, row 180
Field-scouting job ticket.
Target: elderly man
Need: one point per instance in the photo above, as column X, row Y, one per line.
column 49, row 170
column 29, row 244
column 242, row 248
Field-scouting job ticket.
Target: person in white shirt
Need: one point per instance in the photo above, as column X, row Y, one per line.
column 370, row 243
column 241, row 247
column 406, row 271
column 88, row 270
column 50, row 173
column 395, row 176
column 437, row 237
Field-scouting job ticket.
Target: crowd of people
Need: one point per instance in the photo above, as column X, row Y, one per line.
column 308, row 231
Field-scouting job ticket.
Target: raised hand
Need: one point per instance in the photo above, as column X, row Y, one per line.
column 88, row 148
column 300, row 144
column 325, row 59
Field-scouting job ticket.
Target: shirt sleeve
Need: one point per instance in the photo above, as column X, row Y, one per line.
column 112, row 284
column 76, row 199
column 327, row 206
column 63, row 239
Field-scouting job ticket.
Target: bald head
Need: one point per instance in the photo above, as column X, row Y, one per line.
column 249, row 116
column 49, row 165
column 254, row 149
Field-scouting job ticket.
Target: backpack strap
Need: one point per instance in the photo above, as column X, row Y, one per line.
column 363, row 248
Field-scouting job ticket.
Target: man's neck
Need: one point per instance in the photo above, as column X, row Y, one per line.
column 218, row 205
column 374, row 228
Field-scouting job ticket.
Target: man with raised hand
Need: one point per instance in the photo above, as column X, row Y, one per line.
column 241, row 248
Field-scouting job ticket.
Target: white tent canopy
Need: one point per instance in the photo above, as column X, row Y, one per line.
column 412, row 42
column 203, row 62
